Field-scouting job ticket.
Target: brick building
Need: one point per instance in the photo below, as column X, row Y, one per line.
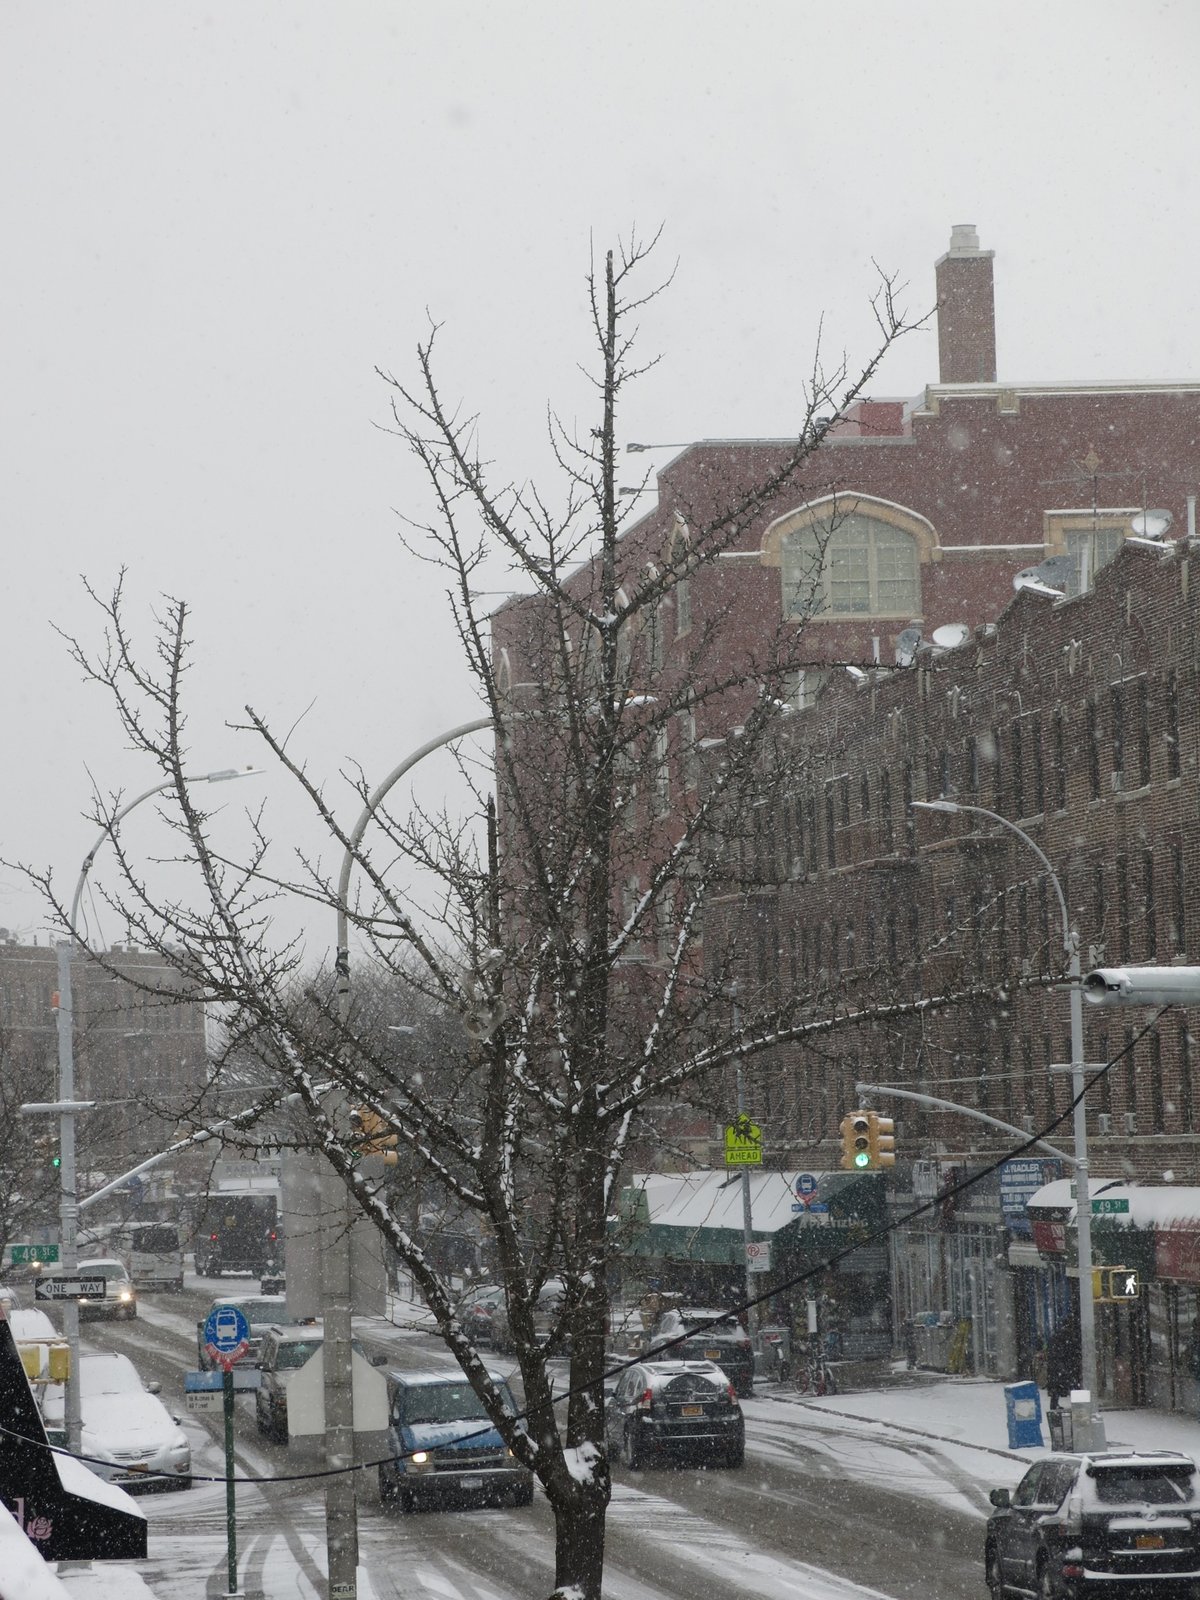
column 903, row 532
column 139, row 1049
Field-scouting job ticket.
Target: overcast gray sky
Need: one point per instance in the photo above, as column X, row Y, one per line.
column 221, row 217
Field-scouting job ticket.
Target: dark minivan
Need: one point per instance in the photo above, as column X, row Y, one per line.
column 447, row 1451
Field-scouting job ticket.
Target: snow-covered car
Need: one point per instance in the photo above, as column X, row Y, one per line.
column 129, row 1436
column 675, row 1410
column 447, row 1451
column 261, row 1311
column 723, row 1340
column 120, row 1299
column 1116, row 1522
column 481, row 1312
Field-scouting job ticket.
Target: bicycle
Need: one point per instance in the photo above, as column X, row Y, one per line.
column 814, row 1376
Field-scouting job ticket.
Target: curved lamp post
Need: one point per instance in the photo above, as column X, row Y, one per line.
column 1083, row 1200
column 67, row 1105
column 337, row 1216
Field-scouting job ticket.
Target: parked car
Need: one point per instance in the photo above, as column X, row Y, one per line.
column 260, row 1311
column 482, row 1314
column 284, row 1351
column 726, row 1342
column 156, row 1256
column 677, row 1410
column 130, row 1436
column 447, row 1451
column 120, row 1298
column 1116, row 1522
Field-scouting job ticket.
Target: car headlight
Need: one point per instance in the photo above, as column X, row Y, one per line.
column 125, row 1294
column 419, row 1458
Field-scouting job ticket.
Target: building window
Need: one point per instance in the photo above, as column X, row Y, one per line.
column 1093, row 737
column 1018, row 771
column 1122, row 908
column 1185, row 1079
column 864, row 797
column 1171, row 733
column 662, row 773
column 1142, row 697
column 1157, row 1106
column 1060, row 760
column 910, row 825
column 885, row 809
column 844, row 799
column 1090, row 538
column 1178, row 937
column 1117, row 708
column 689, row 750
column 830, row 830
column 1105, row 1078
column 1148, row 905
column 683, row 604
column 851, row 565
column 1039, row 770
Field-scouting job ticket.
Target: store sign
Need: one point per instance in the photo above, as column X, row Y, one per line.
column 1019, row 1181
column 1050, row 1238
column 1177, row 1254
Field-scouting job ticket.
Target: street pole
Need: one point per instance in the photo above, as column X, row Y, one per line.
column 337, row 1220
column 747, row 1210
column 230, row 1506
column 1082, row 1190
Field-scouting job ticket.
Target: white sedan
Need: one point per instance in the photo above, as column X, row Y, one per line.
column 129, row 1436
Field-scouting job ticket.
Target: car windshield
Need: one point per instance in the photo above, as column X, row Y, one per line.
column 295, row 1352
column 158, row 1237
column 253, row 1310
column 102, row 1269
column 692, row 1319
column 441, row 1402
column 1155, row 1486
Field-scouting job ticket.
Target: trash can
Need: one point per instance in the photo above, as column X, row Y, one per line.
column 1023, row 1409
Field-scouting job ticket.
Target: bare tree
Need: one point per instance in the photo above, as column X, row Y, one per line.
column 29, row 1182
column 553, row 938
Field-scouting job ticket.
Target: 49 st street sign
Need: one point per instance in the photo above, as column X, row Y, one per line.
column 69, row 1289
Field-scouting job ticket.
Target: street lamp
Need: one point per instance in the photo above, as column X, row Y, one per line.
column 1083, row 1197
column 68, row 1198
column 337, row 1217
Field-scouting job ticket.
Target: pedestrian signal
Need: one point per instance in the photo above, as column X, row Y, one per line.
column 1123, row 1283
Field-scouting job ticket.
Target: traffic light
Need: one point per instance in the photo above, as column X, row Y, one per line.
column 856, row 1140
column 47, row 1150
column 372, row 1137
column 882, row 1140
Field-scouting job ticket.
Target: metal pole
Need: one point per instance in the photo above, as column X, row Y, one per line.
column 230, row 1511
column 337, row 1220
column 68, row 1210
column 889, row 1093
column 747, row 1212
column 1083, row 1198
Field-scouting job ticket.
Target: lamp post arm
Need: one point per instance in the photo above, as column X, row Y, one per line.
column 965, row 1111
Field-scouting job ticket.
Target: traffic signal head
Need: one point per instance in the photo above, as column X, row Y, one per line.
column 1122, row 1283
column 882, row 1140
column 372, row 1136
column 856, row 1140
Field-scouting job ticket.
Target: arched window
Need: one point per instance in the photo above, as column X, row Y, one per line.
column 850, row 556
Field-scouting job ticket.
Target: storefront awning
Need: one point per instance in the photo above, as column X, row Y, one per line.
column 1154, row 1227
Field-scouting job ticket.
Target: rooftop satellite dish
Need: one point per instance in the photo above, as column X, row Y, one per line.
column 1052, row 574
column 950, row 635
column 1151, row 524
column 906, row 646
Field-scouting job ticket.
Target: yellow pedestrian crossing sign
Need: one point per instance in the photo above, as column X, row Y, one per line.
column 743, row 1143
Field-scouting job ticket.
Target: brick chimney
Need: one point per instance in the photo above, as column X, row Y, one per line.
column 966, row 310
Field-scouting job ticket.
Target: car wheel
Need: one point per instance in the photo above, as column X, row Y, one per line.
column 183, row 1483
column 992, row 1576
column 1045, row 1582
column 523, row 1496
column 736, row 1456
column 632, row 1453
column 388, row 1488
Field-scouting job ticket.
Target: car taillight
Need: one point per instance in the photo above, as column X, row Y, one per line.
column 731, row 1394
column 645, row 1400
column 1072, row 1569
column 212, row 1238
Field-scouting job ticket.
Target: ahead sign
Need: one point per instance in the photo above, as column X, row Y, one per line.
column 69, row 1289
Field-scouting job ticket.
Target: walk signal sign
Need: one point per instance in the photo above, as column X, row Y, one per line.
column 1122, row 1284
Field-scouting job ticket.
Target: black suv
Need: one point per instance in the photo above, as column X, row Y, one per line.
column 1115, row 1523
column 682, row 1409
column 724, row 1341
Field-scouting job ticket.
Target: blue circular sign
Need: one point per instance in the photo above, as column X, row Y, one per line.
column 226, row 1332
column 806, row 1184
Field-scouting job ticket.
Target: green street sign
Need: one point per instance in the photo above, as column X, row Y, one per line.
column 1110, row 1208
column 24, row 1253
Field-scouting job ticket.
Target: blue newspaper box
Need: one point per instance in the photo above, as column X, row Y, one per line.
column 1023, row 1404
